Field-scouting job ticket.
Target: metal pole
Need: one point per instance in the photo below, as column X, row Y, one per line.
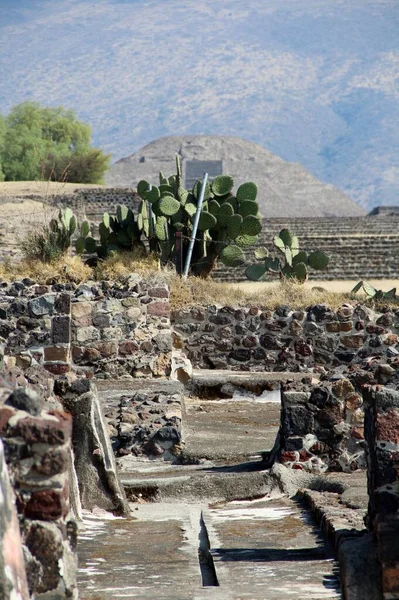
column 195, row 226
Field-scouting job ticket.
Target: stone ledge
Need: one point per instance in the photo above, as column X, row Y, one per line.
column 360, row 571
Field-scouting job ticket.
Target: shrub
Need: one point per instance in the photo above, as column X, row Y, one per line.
column 53, row 241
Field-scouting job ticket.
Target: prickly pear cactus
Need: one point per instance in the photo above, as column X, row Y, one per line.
column 295, row 264
column 227, row 223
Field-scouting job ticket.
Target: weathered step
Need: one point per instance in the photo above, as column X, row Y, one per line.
column 233, row 429
column 270, row 549
column 166, row 483
column 208, row 382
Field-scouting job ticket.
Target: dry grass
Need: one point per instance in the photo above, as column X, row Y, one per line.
column 120, row 266
column 67, row 269
column 73, row 269
column 184, row 293
column 196, row 291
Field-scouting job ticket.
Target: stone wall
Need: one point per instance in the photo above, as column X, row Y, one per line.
column 253, row 339
column 13, row 583
column 92, row 203
column 37, row 447
column 322, row 429
column 382, row 434
column 96, row 329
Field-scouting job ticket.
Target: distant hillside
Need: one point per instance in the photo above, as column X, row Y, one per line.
column 314, row 81
column 285, row 189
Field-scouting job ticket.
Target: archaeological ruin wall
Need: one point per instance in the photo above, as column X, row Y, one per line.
column 35, row 455
column 95, row 329
column 253, row 339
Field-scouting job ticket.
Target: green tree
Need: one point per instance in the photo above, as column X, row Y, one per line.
column 36, row 137
column 84, row 167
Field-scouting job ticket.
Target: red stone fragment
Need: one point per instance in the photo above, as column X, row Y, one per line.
column 288, row 456
column 6, row 413
column 357, row 433
column 47, row 505
column 57, row 368
column 127, row 348
column 38, row 430
column 159, row 309
column 387, row 426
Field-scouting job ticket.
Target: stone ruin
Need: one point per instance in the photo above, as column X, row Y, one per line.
column 60, row 427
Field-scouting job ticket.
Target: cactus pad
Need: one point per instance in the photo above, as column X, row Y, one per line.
column 160, row 229
column 234, row 224
column 248, row 207
column 247, row 191
column 225, row 212
column 169, row 206
column 122, row 212
column 85, row 229
column 213, row 207
column 300, row 272
column 246, row 240
column 318, row 260
column 80, row 245
column 251, row 226
column 153, row 194
column 197, row 190
column 222, row 185
column 232, row 256
column 206, row 221
column 261, row 253
column 142, row 187
column 190, row 209
column 286, row 236
column 90, row 245
column 256, row 272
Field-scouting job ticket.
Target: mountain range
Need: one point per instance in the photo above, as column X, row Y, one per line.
column 314, row 82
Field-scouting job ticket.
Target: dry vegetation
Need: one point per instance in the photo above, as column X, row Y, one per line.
column 205, row 291
column 184, row 293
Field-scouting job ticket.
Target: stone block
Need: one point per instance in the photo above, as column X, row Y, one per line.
column 333, row 327
column 80, row 309
column 111, row 333
column 5, row 413
column 57, row 353
column 43, row 305
column 56, row 429
column 45, row 505
column 353, row 401
column 61, row 330
column 62, row 304
column 25, row 399
column 296, row 421
column 390, row 582
column 23, row 361
column 133, row 313
column 128, row 347
column 161, row 365
column 57, row 368
column 353, row 341
column 108, row 349
column 241, row 355
column 159, row 291
column 162, row 309
column 53, row 462
column 387, row 426
column 110, row 305
column 101, row 320
column 270, row 342
column 87, row 334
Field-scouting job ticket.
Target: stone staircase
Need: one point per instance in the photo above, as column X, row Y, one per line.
column 358, row 247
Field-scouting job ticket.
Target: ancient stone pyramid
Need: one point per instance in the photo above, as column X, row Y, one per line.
column 285, row 189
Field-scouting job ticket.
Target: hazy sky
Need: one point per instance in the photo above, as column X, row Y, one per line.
column 314, row 81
